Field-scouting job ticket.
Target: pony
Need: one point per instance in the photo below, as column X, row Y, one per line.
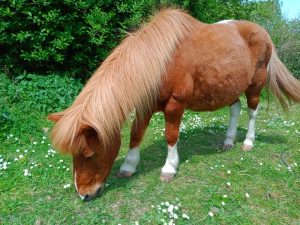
column 172, row 63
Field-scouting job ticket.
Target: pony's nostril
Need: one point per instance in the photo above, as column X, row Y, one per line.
column 86, row 198
column 100, row 190
column 91, row 196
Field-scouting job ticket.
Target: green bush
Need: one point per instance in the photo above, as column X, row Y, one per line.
column 7, row 95
column 286, row 36
column 67, row 37
column 73, row 37
column 47, row 94
column 29, row 98
column 30, row 92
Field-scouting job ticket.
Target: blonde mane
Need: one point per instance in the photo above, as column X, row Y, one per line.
column 129, row 79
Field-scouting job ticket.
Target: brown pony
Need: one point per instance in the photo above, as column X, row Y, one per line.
column 171, row 64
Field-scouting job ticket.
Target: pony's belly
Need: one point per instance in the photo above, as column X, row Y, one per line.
column 213, row 97
column 203, row 104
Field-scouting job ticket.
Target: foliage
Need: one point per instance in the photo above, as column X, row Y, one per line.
column 46, row 36
column 7, row 91
column 47, row 94
column 285, row 34
column 29, row 93
column 73, row 37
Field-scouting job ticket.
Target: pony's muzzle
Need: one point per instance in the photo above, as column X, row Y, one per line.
column 89, row 197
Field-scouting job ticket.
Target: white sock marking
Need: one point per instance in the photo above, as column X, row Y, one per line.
column 172, row 160
column 235, row 110
column 250, row 137
column 131, row 160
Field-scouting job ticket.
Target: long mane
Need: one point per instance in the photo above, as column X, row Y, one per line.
column 129, row 79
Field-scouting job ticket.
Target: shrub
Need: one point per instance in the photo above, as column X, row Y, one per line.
column 73, row 37
column 68, row 37
column 47, row 94
column 7, row 91
column 287, row 37
column 30, row 97
column 31, row 92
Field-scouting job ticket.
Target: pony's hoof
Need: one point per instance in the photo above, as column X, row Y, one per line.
column 247, row 147
column 227, row 147
column 166, row 177
column 124, row 174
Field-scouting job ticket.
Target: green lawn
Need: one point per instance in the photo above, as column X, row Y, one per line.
column 264, row 183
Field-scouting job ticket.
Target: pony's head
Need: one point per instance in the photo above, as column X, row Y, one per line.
column 91, row 161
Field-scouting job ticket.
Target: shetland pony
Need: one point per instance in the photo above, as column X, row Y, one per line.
column 171, row 64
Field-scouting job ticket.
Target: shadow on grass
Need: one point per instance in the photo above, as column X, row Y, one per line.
column 199, row 141
column 267, row 138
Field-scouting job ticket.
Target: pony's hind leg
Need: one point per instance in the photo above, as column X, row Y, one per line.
column 173, row 113
column 250, row 136
column 235, row 110
column 133, row 156
column 252, row 95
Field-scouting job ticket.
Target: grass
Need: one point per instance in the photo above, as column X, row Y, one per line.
column 269, row 175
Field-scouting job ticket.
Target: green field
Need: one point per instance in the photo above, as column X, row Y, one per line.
column 263, row 188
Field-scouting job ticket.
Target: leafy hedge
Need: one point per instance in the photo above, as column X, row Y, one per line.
column 46, row 36
column 34, row 93
column 73, row 36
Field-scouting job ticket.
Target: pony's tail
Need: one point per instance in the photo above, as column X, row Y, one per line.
column 281, row 82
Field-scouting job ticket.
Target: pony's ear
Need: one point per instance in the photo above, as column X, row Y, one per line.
column 87, row 152
column 91, row 141
column 55, row 116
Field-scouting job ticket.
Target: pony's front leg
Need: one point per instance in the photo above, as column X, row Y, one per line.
column 133, row 156
column 173, row 113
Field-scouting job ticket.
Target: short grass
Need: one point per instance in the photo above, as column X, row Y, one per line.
column 269, row 175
